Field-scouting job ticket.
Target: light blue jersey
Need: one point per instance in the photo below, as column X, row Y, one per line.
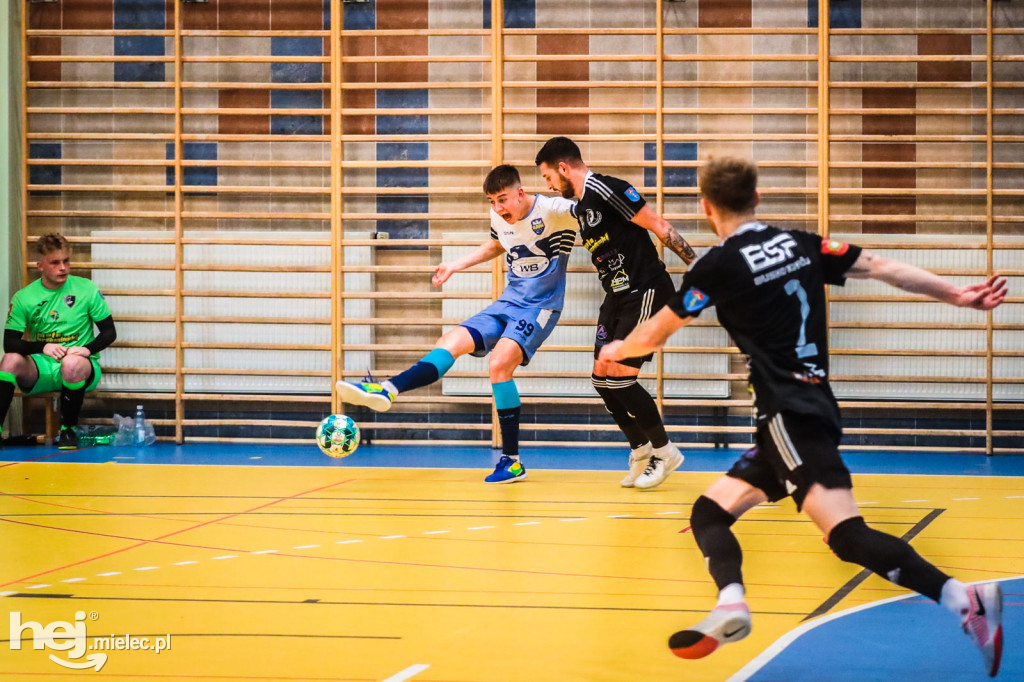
column 537, row 251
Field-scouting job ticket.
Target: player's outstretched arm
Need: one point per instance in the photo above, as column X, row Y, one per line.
column 647, row 337
column 485, row 252
column 667, row 235
column 981, row 296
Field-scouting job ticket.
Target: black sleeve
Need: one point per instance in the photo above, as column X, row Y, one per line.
column 698, row 289
column 836, row 259
column 13, row 343
column 619, row 194
column 106, row 336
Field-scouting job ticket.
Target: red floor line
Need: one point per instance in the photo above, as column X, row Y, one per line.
column 176, row 532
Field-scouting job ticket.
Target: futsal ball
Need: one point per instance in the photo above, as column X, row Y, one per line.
column 337, row 435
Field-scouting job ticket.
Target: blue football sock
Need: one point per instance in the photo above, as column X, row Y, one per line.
column 432, row 367
column 506, row 400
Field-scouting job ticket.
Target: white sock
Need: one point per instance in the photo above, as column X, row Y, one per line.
column 389, row 387
column 663, row 452
column 954, row 597
column 733, row 593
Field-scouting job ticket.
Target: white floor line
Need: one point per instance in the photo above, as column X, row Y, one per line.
column 479, row 527
column 408, row 672
column 265, row 551
column 435, row 532
column 527, row 523
column 104, row 575
column 146, row 568
column 390, row 537
column 346, row 542
column 185, row 563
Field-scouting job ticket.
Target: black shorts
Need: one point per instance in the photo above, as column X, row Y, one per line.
column 621, row 313
column 793, row 452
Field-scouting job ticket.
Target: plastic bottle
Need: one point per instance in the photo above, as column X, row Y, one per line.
column 140, row 426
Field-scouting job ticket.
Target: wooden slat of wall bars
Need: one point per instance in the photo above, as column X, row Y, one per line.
column 464, row 135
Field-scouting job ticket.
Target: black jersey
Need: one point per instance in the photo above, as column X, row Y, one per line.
column 621, row 250
column 767, row 285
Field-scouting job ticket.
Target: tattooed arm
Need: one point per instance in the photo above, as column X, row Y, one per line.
column 648, row 219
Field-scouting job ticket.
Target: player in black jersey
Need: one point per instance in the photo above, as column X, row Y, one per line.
column 614, row 222
column 768, row 286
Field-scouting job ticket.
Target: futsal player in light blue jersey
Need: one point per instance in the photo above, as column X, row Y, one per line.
column 536, row 234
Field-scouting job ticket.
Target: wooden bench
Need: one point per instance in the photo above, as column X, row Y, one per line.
column 51, row 408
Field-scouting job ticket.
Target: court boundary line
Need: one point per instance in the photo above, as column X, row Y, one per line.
column 782, row 643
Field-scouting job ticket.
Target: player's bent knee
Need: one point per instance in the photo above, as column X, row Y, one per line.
column 850, row 540
column 706, row 513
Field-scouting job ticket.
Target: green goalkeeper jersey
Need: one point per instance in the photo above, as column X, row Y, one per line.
column 64, row 316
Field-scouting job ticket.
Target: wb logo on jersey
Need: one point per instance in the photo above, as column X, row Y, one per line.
column 778, row 249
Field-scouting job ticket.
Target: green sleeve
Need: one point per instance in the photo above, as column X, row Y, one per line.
column 98, row 309
column 17, row 315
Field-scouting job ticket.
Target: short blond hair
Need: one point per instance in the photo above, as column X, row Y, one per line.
column 49, row 243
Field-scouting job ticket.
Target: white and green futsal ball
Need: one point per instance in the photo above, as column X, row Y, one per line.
column 337, row 435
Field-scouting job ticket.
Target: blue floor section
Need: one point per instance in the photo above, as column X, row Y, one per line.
column 468, row 457
column 909, row 639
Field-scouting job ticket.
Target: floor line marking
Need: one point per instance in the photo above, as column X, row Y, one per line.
column 37, row 587
column 435, row 532
column 305, row 546
column 527, row 523
column 346, row 542
column 620, row 516
column 408, row 672
column 265, row 551
column 146, row 568
column 960, row 499
column 479, row 527
column 104, row 575
column 176, row 532
column 568, row 520
column 73, row 580
column 184, row 563
column 226, row 556
column 391, row 537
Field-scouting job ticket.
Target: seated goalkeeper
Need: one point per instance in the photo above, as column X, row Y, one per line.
column 58, row 311
column 536, row 233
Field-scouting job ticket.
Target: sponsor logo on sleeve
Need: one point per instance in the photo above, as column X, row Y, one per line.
column 694, row 299
column 632, row 195
column 831, row 247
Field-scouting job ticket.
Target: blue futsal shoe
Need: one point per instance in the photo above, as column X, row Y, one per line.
column 367, row 393
column 508, row 471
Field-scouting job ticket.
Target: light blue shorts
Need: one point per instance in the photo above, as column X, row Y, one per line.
column 528, row 327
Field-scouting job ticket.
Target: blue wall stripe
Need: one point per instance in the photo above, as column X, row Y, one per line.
column 360, row 16
column 403, row 177
column 45, row 175
column 139, row 14
column 290, row 72
column 205, row 151
column 842, row 14
column 518, row 14
column 674, row 177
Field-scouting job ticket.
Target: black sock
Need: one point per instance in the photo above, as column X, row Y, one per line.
column 627, row 424
column 508, row 422
column 712, row 529
column 890, row 557
column 6, row 395
column 642, row 406
column 71, row 398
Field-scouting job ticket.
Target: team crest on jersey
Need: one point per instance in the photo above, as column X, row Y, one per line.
column 632, row 195
column 593, row 217
column 602, row 333
column 537, row 225
column 694, row 299
column 833, row 247
column 69, row 300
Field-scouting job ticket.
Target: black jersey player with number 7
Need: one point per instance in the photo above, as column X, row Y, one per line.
column 768, row 286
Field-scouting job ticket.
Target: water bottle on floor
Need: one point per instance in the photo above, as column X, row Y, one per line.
column 140, row 426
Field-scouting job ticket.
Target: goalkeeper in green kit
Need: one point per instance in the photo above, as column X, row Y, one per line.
column 58, row 311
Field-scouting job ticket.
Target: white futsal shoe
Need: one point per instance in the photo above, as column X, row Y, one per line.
column 663, row 462
column 984, row 623
column 726, row 623
column 637, row 463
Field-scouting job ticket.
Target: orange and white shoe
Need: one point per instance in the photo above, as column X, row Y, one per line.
column 984, row 623
column 725, row 624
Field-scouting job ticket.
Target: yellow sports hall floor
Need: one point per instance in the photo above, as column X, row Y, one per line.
column 346, row 571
